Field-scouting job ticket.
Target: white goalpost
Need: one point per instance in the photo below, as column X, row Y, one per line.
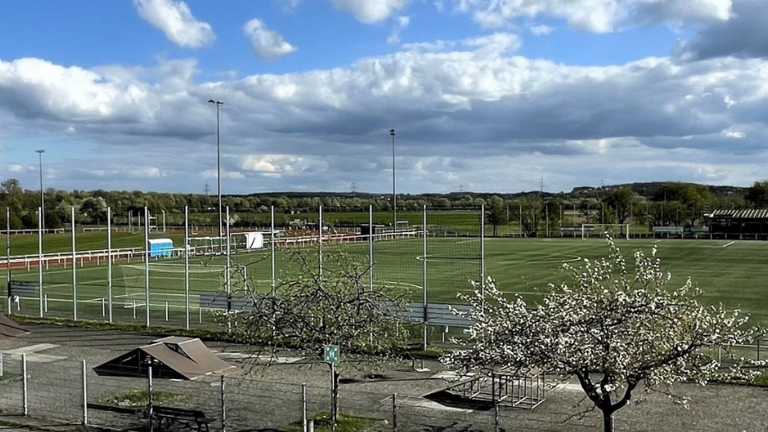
column 167, row 279
column 600, row 230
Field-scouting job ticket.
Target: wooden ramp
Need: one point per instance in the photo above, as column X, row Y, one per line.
column 9, row 329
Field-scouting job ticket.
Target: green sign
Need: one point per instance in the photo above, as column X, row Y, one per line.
column 331, row 354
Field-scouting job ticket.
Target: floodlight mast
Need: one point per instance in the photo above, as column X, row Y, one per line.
column 218, row 103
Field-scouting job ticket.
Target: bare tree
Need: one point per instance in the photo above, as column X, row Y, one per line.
column 324, row 304
column 612, row 330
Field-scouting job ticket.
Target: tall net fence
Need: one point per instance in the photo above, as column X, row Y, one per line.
column 426, row 254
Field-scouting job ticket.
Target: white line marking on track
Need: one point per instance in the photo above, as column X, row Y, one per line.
column 726, row 245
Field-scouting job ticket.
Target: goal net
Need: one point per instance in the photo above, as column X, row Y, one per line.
column 600, row 230
column 167, row 281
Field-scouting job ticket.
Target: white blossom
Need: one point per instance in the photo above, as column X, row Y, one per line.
column 613, row 331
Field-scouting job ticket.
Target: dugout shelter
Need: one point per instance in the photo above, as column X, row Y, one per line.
column 739, row 222
column 375, row 229
column 160, row 248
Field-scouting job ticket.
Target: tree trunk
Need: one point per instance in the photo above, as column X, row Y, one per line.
column 607, row 422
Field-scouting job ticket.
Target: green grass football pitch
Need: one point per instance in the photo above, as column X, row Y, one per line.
column 732, row 273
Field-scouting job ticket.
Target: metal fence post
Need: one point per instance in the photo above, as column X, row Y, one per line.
column 272, row 247
column 223, row 405
column 149, row 397
column 425, row 306
column 74, row 266
column 394, row 412
column 146, row 264
column 304, row 406
column 186, row 267
column 85, row 395
column 371, row 232
column 40, row 255
column 109, row 260
column 25, row 386
column 482, row 256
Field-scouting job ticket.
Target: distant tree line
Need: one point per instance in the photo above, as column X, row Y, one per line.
column 654, row 204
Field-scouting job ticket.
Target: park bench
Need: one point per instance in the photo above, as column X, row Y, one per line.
column 167, row 416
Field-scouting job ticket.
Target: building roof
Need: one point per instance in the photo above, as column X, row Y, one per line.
column 9, row 328
column 160, row 241
column 740, row 214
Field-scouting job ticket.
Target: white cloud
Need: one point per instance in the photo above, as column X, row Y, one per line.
column 494, row 44
column 401, row 24
column 475, row 103
column 15, row 168
column 266, row 44
column 268, row 163
column 370, row 11
column 540, row 30
column 146, row 172
column 291, row 5
column 744, row 35
column 177, row 22
column 599, row 16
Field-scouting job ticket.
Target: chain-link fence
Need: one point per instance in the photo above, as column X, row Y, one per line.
column 184, row 278
column 72, row 393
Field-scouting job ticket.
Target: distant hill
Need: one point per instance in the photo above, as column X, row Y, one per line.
column 647, row 189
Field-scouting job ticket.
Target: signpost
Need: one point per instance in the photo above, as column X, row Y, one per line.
column 331, row 355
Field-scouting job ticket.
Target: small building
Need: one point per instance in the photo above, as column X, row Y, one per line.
column 170, row 358
column 744, row 223
column 162, row 247
column 249, row 240
column 365, row 229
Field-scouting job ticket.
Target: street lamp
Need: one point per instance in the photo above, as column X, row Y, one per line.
column 394, row 194
column 218, row 156
column 42, row 194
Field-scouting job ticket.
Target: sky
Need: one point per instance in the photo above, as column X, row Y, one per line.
column 484, row 95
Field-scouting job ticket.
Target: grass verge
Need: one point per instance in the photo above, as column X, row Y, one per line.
column 139, row 398
column 345, row 423
column 9, row 376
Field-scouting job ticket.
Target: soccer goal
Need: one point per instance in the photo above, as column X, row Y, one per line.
column 600, row 230
column 167, row 280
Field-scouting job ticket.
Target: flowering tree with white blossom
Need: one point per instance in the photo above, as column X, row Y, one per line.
column 615, row 331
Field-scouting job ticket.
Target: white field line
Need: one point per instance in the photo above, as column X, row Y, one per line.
column 421, row 258
column 468, row 241
column 395, row 283
column 505, row 291
column 726, row 245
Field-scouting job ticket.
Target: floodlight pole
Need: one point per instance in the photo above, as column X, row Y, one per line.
column 218, row 157
column 42, row 194
column 394, row 193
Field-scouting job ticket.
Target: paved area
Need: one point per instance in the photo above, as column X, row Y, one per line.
column 268, row 397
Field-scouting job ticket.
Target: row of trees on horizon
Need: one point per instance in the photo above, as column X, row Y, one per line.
column 658, row 204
